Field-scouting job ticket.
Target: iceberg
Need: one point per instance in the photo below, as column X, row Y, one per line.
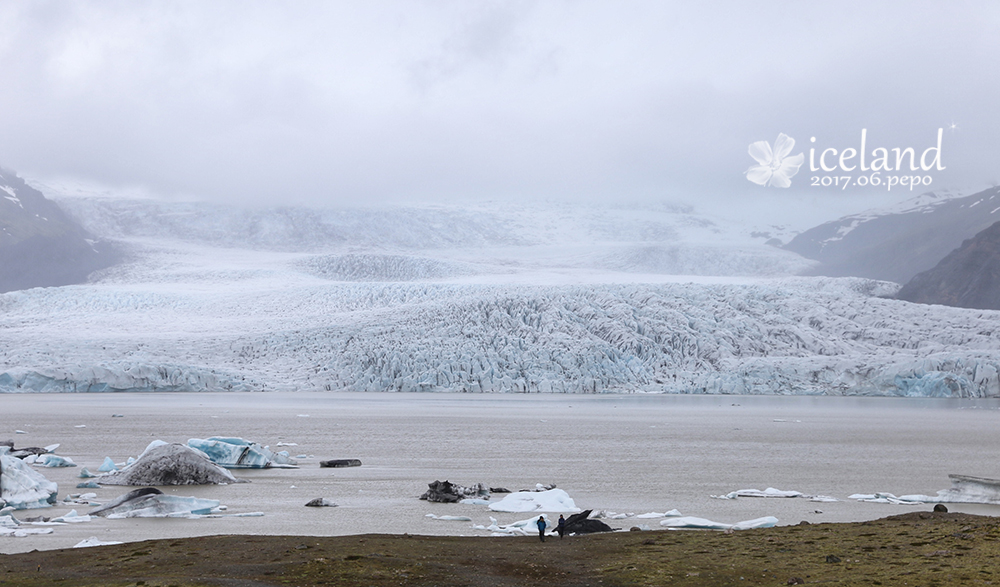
column 553, row 500
column 149, row 502
column 652, row 515
column 170, row 464
column 71, row 518
column 772, row 492
column 107, row 466
column 526, row 527
column 95, row 541
column 51, row 460
column 702, row 523
column 21, row 487
column 237, row 453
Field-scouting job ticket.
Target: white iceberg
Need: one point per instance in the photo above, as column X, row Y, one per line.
column 72, row 518
column 652, row 515
column 107, row 466
column 772, row 492
column 95, row 541
column 237, row 453
column 702, row 523
column 553, row 500
column 21, row 487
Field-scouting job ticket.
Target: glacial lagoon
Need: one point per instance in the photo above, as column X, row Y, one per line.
column 619, row 453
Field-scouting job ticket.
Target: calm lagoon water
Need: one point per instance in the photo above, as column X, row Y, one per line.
column 622, row 453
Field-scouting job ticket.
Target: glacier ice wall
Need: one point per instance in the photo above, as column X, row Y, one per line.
column 788, row 336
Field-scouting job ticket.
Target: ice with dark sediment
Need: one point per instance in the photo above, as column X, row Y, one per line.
column 169, row 464
column 149, row 502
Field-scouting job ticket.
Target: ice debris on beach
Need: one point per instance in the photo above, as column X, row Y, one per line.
column 237, row 453
column 170, row 464
column 526, row 527
column 772, row 492
column 107, row 466
column 21, row 487
column 686, row 522
column 552, row 500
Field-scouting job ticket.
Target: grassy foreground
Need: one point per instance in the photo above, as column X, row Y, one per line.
column 920, row 548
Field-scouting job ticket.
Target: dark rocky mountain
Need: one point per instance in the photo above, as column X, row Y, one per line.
column 40, row 245
column 896, row 244
column 969, row 277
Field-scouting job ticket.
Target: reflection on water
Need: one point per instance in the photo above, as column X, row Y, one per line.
column 634, row 453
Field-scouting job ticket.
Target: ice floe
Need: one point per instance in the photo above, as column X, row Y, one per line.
column 526, row 527
column 51, row 460
column 552, row 500
column 653, row 515
column 95, row 541
column 964, row 489
column 21, row 487
column 701, row 523
column 772, row 492
column 449, row 518
column 237, row 453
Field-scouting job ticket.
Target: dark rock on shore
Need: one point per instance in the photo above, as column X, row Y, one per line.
column 582, row 524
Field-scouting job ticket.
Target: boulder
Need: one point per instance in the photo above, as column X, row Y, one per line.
column 170, row 464
column 581, row 524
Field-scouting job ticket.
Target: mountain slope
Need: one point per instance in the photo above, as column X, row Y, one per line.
column 40, row 245
column 969, row 277
column 896, row 244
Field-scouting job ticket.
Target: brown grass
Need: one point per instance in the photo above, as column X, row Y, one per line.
column 924, row 548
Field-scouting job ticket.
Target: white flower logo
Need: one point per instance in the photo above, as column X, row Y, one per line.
column 776, row 167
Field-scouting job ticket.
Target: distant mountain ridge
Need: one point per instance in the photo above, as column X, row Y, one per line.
column 969, row 277
column 40, row 245
column 897, row 243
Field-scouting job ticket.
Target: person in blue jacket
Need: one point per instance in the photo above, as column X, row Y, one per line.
column 541, row 528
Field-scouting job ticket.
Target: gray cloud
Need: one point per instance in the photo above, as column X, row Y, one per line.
column 343, row 102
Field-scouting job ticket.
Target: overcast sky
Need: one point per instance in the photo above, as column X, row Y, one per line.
column 335, row 102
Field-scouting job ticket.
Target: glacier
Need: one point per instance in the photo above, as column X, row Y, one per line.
column 478, row 300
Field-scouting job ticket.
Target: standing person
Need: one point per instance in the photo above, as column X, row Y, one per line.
column 561, row 526
column 541, row 528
